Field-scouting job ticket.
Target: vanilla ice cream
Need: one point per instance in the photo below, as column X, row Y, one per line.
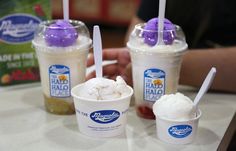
column 175, row 107
column 104, row 89
column 102, row 106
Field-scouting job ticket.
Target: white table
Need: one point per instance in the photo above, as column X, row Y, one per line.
column 26, row 126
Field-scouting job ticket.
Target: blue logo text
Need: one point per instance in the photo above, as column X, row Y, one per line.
column 105, row 116
column 18, row 28
column 180, row 131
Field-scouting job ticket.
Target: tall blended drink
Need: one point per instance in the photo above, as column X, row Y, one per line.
column 155, row 68
column 62, row 48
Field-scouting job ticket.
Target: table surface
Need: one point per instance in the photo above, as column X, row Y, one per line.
column 26, row 126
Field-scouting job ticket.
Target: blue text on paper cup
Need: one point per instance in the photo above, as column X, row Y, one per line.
column 154, row 84
column 180, row 131
column 18, row 28
column 59, row 81
column 105, row 116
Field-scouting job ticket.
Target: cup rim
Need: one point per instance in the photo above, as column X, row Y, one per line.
column 140, row 26
column 199, row 114
column 60, row 50
column 178, row 51
column 99, row 101
column 75, row 23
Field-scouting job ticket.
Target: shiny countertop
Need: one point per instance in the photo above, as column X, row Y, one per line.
column 26, row 126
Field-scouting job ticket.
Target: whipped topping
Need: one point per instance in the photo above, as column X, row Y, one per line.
column 138, row 44
column 144, row 38
column 175, row 107
column 104, row 89
column 82, row 43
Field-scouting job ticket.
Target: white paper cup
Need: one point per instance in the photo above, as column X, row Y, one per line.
column 177, row 132
column 99, row 118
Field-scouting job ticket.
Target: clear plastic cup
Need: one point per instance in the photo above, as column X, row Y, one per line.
column 177, row 132
column 155, row 69
column 61, row 68
column 101, row 118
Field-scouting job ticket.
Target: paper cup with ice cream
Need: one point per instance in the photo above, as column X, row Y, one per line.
column 101, row 106
column 176, row 119
column 62, row 47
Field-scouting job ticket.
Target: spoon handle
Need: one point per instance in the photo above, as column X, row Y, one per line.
column 205, row 86
column 97, row 47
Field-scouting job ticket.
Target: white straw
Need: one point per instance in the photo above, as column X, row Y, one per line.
column 97, row 48
column 161, row 17
column 66, row 9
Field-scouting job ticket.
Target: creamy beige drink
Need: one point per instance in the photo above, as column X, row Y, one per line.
column 62, row 48
column 155, row 68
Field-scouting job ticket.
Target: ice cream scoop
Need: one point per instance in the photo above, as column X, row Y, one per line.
column 61, row 34
column 104, row 89
column 150, row 34
column 175, row 107
column 102, row 106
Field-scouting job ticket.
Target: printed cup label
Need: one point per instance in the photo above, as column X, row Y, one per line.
column 101, row 121
column 59, row 81
column 180, row 131
column 154, row 84
column 105, row 116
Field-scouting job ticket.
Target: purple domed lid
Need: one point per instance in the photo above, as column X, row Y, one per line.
column 61, row 34
column 151, row 37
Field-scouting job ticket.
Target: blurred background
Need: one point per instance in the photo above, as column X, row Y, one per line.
column 16, row 29
column 113, row 17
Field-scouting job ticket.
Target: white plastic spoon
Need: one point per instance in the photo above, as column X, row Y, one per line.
column 205, row 86
column 97, row 48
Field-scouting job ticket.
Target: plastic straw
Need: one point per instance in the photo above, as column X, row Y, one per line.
column 161, row 17
column 97, row 48
column 66, row 9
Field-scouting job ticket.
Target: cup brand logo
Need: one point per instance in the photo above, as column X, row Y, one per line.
column 59, row 81
column 154, row 73
column 105, row 116
column 18, row 28
column 59, row 69
column 154, row 84
column 180, row 131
